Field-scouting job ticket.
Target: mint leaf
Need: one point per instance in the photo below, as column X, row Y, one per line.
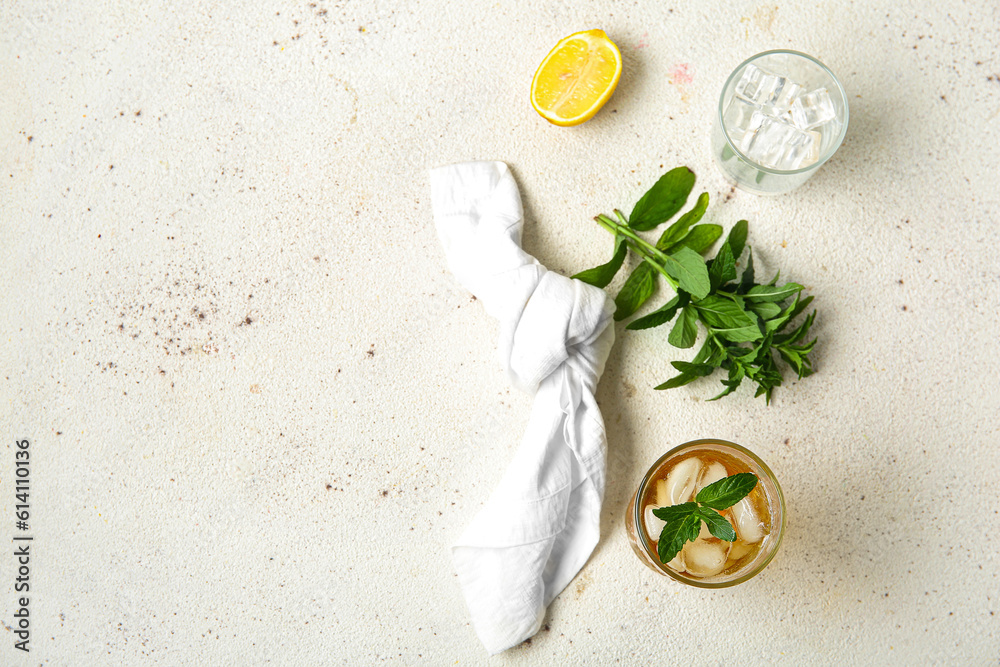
column 723, row 267
column 637, row 289
column 778, row 323
column 663, row 200
column 699, row 370
column 685, row 329
column 689, row 373
column 730, row 385
column 795, row 356
column 682, row 523
column 679, row 230
column 717, row 524
column 727, row 491
column 735, row 310
column 688, row 267
column 677, row 381
column 737, row 238
column 601, row 276
column 799, row 307
column 747, row 334
column 661, row 315
column 699, row 239
column 746, row 282
column 674, row 512
column 720, row 312
column 766, row 310
column 773, row 292
column 676, row 534
column 710, row 353
column 799, row 333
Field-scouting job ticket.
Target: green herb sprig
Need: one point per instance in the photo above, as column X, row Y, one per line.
column 746, row 322
column 683, row 522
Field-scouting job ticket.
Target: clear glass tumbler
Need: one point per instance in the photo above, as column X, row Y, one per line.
column 744, row 164
column 767, row 497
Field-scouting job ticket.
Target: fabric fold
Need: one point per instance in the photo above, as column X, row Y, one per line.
column 542, row 521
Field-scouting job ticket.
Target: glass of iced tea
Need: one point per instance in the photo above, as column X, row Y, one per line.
column 758, row 519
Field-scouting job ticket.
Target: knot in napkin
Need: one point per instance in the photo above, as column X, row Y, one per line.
column 542, row 522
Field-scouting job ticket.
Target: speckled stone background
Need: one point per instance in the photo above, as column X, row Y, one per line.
column 261, row 409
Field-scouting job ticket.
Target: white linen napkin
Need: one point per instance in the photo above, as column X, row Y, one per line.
column 542, row 522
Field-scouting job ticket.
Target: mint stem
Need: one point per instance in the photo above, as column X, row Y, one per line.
column 649, row 254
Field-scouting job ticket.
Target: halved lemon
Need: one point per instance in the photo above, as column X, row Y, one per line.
column 576, row 78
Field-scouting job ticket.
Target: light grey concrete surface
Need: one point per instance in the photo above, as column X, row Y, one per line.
column 260, row 408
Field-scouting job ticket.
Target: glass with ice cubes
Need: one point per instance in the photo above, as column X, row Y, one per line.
column 781, row 115
column 708, row 562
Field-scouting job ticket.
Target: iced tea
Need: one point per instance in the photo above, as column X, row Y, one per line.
column 709, row 562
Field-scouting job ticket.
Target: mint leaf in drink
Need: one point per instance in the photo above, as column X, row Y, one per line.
column 676, row 534
column 683, row 521
column 663, row 200
column 727, row 491
column 717, row 524
column 674, row 512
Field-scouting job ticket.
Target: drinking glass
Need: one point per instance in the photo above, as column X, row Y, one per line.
column 734, row 457
column 729, row 150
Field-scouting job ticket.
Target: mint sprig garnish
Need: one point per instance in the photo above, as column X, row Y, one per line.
column 683, row 521
column 746, row 323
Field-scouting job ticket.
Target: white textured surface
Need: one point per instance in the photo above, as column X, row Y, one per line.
column 221, row 478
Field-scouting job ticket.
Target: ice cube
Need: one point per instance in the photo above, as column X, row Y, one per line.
column 748, row 525
column 704, row 533
column 813, row 109
column 653, row 523
column 712, row 473
column 782, row 105
column 662, row 497
column 677, row 564
column 749, row 79
column 759, row 86
column 756, row 120
column 801, row 150
column 680, row 482
column 778, row 144
column 705, row 558
column 736, row 118
column 738, row 550
column 767, row 144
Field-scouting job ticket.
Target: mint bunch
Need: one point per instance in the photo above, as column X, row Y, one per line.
column 683, row 522
column 747, row 324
